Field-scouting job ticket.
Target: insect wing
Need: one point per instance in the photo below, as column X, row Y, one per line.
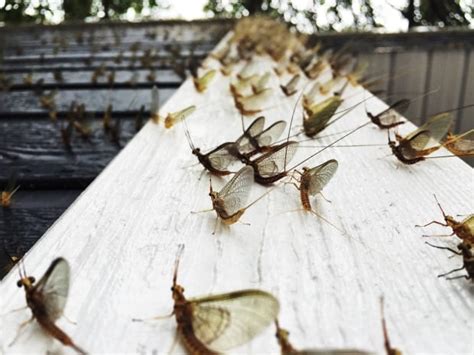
column 438, row 126
column 236, row 192
column 255, row 128
column 320, row 115
column 420, row 140
column 462, row 144
column 271, row 134
column 391, row 115
column 254, row 103
column 204, row 81
column 275, row 161
column 468, row 223
column 321, row 174
column 54, row 288
column 220, row 157
column 222, row 322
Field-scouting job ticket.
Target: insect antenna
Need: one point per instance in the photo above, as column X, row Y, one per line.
column 179, row 253
column 330, row 145
column 188, row 136
column 439, row 205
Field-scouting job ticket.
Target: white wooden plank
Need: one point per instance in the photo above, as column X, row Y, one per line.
column 121, row 236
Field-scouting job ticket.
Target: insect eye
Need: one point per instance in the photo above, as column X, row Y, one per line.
column 32, row 279
column 19, row 284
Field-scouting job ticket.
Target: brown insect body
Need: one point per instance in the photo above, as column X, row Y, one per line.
column 37, row 298
column 465, row 250
column 389, row 115
column 305, row 182
column 205, row 159
column 405, row 151
column 464, row 230
column 219, row 207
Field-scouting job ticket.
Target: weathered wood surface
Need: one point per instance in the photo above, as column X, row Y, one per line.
column 121, row 237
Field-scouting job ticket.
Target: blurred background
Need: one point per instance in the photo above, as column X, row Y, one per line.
column 76, row 78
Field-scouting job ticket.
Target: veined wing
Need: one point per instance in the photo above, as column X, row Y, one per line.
column 236, row 192
column 254, row 103
column 276, row 161
column 54, row 288
column 255, row 128
column 321, row 174
column 420, row 140
column 391, row 115
column 224, row 321
column 320, row 114
column 461, row 144
column 220, row 158
column 271, row 134
column 468, row 222
column 438, row 126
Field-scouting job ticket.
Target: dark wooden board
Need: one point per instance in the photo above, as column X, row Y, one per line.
column 35, row 150
column 95, row 100
column 25, row 221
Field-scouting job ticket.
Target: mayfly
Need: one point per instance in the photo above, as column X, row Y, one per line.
column 216, row 323
column 230, row 202
column 464, row 229
column 257, row 140
column 173, row 117
column 412, row 148
column 155, row 105
column 388, row 347
column 202, row 82
column 245, row 87
column 465, row 249
column 460, row 145
column 216, row 161
column 10, row 189
column 107, row 118
column 388, row 118
column 287, row 348
column 47, row 299
column 253, row 104
column 261, row 84
column 313, row 180
column 317, row 116
column 291, row 87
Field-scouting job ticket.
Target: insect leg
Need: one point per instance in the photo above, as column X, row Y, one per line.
column 215, row 226
column 467, row 277
column 153, row 318
column 450, row 272
column 14, row 310
column 432, row 222
column 202, row 211
column 69, row 320
column 20, row 328
column 325, row 197
column 446, row 248
column 437, row 235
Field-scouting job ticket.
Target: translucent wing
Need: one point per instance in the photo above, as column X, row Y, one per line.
column 271, row 134
column 202, row 82
column 391, row 115
column 468, row 222
column 420, row 140
column 54, row 288
column 275, row 162
column 220, row 158
column 462, row 144
column 254, row 103
column 256, row 127
column 320, row 176
column 222, row 322
column 438, row 126
column 261, row 84
column 320, row 114
column 236, row 192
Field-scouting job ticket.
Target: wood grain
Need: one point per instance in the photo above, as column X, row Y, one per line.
column 121, row 237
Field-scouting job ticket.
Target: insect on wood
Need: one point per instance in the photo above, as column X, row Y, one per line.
column 465, row 250
column 47, row 300
column 10, row 189
column 389, row 117
column 216, row 161
column 413, row 148
column 460, row 145
column 464, row 229
column 287, row 348
column 173, row 117
column 291, row 87
column 217, row 323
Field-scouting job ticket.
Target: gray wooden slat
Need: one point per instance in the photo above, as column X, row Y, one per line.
column 446, row 75
column 409, row 80
column 378, row 67
column 95, row 100
column 467, row 115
